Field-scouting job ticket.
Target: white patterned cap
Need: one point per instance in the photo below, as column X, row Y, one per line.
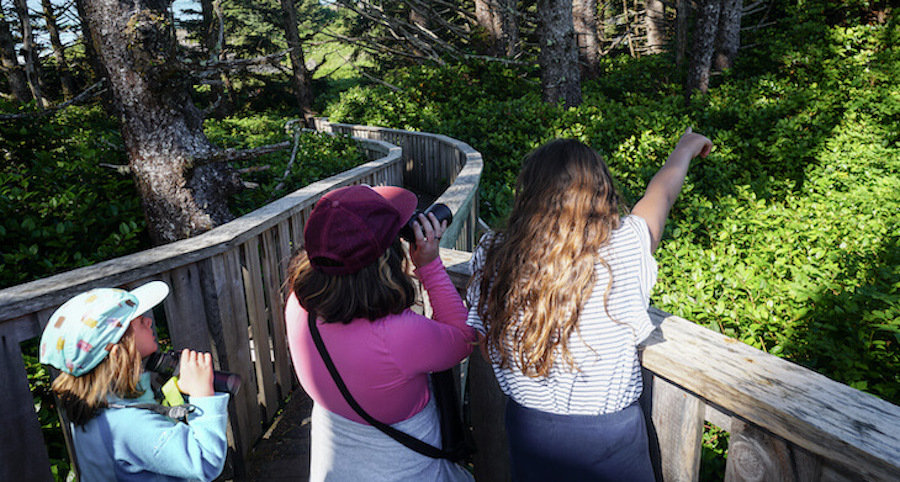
column 83, row 330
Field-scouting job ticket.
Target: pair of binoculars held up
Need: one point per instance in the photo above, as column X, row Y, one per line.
column 167, row 365
column 440, row 211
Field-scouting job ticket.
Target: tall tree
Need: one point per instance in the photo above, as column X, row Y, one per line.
column 558, row 57
column 498, row 19
column 29, row 51
column 182, row 182
column 9, row 63
column 704, row 37
column 300, row 78
column 728, row 37
column 212, row 29
column 59, row 52
column 584, row 17
column 655, row 23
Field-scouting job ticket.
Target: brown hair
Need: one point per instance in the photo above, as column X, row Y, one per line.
column 381, row 288
column 539, row 270
column 81, row 398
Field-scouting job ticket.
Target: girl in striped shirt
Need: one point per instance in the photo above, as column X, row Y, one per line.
column 560, row 297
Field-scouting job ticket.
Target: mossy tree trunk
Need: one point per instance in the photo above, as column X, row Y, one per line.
column 15, row 74
column 558, row 58
column 728, row 38
column 584, row 17
column 59, row 53
column 161, row 127
column 301, row 80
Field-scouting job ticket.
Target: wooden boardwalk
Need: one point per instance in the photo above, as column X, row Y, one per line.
column 283, row 452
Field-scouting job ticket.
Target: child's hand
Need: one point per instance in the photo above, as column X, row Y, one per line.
column 694, row 144
column 428, row 234
column 195, row 377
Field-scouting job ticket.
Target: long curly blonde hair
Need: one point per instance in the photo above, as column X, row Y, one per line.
column 539, row 271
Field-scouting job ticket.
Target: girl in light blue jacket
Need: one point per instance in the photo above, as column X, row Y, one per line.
column 98, row 340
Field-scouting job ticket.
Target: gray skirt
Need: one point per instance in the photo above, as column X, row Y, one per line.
column 344, row 450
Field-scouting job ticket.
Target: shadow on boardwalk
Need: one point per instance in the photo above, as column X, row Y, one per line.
column 283, row 452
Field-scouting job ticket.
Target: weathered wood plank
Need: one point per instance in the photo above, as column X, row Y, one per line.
column 255, row 288
column 276, row 293
column 24, row 458
column 487, row 405
column 185, row 309
column 755, row 455
column 676, row 429
column 823, row 416
column 220, row 276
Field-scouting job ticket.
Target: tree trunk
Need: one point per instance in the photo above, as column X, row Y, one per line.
column 300, row 78
column 728, row 39
column 214, row 42
column 14, row 72
column 498, row 19
column 59, row 52
column 29, row 52
column 161, row 127
column 558, row 58
column 584, row 18
column 655, row 21
column 682, row 20
column 703, row 46
column 89, row 51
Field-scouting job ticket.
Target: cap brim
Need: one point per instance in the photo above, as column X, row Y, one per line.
column 403, row 200
column 149, row 295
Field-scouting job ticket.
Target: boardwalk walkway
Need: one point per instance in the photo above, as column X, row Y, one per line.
column 283, row 452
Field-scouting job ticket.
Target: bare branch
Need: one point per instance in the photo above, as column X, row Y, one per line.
column 120, row 168
column 232, row 155
column 88, row 93
column 290, row 164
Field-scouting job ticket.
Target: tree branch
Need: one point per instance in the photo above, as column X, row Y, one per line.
column 232, row 155
column 90, row 92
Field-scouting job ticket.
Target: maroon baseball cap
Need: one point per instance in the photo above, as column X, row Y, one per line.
column 351, row 227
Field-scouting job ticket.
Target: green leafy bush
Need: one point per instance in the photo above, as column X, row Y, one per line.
column 786, row 237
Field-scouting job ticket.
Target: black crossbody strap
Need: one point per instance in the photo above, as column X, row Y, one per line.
column 402, row 437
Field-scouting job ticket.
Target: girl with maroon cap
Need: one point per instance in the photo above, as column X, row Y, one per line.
column 353, row 276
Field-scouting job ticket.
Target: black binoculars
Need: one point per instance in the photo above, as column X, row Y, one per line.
column 167, row 365
column 440, row 211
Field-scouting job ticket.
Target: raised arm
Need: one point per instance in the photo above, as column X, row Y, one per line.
column 666, row 184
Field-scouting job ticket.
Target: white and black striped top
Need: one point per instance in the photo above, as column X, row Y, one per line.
column 609, row 375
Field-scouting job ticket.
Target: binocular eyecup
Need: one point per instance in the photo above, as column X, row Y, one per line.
column 440, row 211
column 167, row 365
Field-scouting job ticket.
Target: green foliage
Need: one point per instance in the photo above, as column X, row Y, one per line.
column 318, row 156
column 786, row 237
column 69, row 211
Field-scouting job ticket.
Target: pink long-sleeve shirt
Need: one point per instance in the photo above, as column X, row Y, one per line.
column 385, row 362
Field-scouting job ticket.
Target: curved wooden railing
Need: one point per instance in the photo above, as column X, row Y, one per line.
column 227, row 296
column 436, row 165
column 786, row 422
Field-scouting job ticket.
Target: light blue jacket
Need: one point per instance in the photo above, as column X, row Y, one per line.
column 141, row 445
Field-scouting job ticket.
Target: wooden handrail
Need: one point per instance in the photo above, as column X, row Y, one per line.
column 227, row 296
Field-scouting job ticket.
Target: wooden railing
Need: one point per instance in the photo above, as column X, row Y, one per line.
column 437, row 165
column 786, row 422
column 227, row 296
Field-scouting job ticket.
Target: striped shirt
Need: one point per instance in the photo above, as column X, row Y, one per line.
column 608, row 378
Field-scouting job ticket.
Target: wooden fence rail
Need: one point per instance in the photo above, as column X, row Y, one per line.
column 785, row 422
column 227, row 296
